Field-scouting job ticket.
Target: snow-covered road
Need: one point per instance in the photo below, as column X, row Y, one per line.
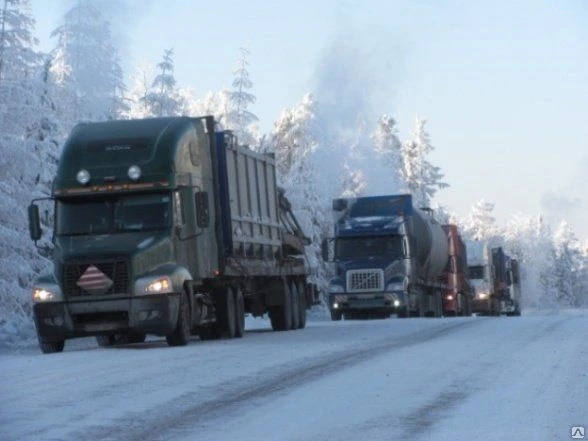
column 430, row 379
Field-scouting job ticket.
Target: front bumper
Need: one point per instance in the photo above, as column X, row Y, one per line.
column 384, row 302
column 482, row 305
column 154, row 314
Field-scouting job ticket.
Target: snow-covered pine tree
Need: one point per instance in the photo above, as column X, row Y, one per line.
column 530, row 240
column 293, row 141
column 419, row 176
column 481, row 224
column 388, row 147
column 163, row 98
column 240, row 119
column 137, row 98
column 22, row 108
column 353, row 182
column 86, row 65
column 568, row 263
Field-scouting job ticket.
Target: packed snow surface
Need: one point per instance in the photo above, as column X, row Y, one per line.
column 501, row 378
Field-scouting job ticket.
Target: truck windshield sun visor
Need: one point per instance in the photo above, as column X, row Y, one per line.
column 146, row 212
column 370, row 246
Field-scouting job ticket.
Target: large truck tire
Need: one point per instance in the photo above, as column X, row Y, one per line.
column 51, row 347
column 181, row 334
column 295, row 298
column 281, row 315
column 239, row 313
column 302, row 306
column 336, row 316
column 226, row 312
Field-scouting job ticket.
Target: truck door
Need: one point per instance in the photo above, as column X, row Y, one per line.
column 184, row 231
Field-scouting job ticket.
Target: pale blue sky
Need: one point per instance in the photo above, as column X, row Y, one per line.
column 503, row 84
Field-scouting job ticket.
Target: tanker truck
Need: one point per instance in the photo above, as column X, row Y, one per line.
column 165, row 226
column 388, row 256
column 457, row 297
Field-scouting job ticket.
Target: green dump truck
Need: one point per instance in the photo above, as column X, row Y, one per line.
column 165, row 226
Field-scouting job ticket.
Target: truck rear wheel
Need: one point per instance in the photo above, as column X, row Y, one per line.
column 239, row 313
column 181, row 334
column 51, row 347
column 281, row 315
column 301, row 306
column 226, row 312
column 295, row 298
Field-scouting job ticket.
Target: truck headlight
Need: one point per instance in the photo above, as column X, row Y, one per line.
column 154, row 285
column 44, row 293
column 483, row 295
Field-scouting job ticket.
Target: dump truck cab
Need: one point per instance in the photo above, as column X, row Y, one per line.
column 133, row 226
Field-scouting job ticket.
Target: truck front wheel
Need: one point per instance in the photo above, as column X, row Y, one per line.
column 240, row 313
column 181, row 334
column 302, row 306
column 281, row 315
column 51, row 347
column 336, row 316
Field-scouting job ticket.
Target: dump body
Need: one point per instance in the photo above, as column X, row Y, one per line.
column 162, row 221
column 388, row 257
column 458, row 296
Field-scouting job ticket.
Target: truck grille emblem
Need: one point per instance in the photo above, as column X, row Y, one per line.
column 94, row 281
column 365, row 280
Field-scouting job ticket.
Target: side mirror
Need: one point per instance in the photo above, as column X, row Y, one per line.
column 202, row 213
column 325, row 250
column 339, row 204
column 34, row 223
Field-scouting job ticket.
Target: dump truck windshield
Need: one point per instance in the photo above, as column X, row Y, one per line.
column 476, row 272
column 370, row 246
column 113, row 214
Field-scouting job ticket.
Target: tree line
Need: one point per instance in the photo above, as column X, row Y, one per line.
column 43, row 95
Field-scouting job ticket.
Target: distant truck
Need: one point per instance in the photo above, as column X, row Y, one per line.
column 511, row 304
column 458, row 295
column 164, row 226
column 388, row 258
column 488, row 276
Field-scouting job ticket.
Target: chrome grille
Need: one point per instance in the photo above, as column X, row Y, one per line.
column 117, row 271
column 365, row 280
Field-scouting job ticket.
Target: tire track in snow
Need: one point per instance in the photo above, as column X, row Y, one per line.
column 419, row 423
column 182, row 415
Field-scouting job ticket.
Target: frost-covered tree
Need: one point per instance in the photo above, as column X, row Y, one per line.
column 419, row 176
column 27, row 154
column 568, row 263
column 86, row 65
column 388, row 148
column 480, row 223
column 240, row 119
column 293, row 141
column 353, row 182
column 164, row 99
column 530, row 240
column 137, row 98
column 213, row 103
